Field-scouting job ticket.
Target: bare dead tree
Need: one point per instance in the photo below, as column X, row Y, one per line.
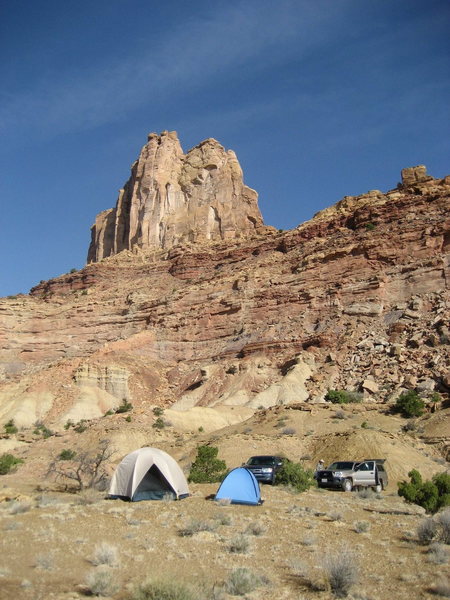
column 87, row 468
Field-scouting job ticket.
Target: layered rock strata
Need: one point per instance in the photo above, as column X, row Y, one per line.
column 357, row 298
column 174, row 198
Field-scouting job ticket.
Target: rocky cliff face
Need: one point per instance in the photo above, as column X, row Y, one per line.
column 173, row 198
column 357, row 298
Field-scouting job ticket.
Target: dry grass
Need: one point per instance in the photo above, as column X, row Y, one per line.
column 105, row 554
column 341, row 571
column 102, row 582
column 239, row 544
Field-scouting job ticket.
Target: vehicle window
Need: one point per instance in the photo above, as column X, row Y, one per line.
column 364, row 467
column 341, row 466
column 261, row 460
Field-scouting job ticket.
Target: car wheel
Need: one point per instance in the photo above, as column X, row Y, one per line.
column 347, row 485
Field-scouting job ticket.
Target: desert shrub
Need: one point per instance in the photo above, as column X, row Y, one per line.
column 159, row 423
column 409, row 404
column 255, row 529
column 242, row 581
column 239, row 544
column 68, row 424
column 438, row 554
column 158, row 411
column 207, row 468
column 296, row 476
column 341, row 572
column 443, row 520
column 67, row 454
column 339, row 414
column 335, row 516
column 195, row 526
column 223, row 519
column 41, row 429
column 87, row 469
column 309, row 541
column 427, row 530
column 10, row 427
column 342, row 397
column 432, row 495
column 442, row 482
column 101, row 582
column 81, row 426
column 288, row 431
column 105, row 554
column 164, row 590
column 224, row 501
column 124, row 407
column 362, row 526
column 8, row 463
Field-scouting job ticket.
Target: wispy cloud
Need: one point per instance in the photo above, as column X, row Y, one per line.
column 194, row 55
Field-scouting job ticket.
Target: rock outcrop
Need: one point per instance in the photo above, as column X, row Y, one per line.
column 357, row 298
column 173, row 198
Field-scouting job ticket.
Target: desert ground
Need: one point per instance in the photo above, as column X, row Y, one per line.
column 66, row 545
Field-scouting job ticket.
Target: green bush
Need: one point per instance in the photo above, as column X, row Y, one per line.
column 80, row 426
column 125, row 406
column 159, row 423
column 342, row 397
column 158, row 411
column 8, row 463
column 67, row 454
column 294, row 475
column 40, row 428
column 409, row 404
column 207, row 468
column 431, row 495
column 9, row 427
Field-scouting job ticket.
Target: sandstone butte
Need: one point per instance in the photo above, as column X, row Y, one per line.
column 190, row 302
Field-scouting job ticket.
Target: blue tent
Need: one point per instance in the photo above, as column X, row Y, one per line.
column 241, row 487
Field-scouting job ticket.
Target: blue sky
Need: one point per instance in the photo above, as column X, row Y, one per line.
column 318, row 98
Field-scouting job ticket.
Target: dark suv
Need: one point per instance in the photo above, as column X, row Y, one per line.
column 265, row 468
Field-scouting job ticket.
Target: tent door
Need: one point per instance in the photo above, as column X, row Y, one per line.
column 153, row 486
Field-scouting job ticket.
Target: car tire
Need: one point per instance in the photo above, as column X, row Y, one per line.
column 347, row 485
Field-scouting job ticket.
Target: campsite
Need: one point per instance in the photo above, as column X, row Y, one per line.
column 58, row 544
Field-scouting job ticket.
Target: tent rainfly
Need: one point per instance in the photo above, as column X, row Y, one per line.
column 240, row 487
column 148, row 474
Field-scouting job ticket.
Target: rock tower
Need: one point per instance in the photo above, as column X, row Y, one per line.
column 175, row 198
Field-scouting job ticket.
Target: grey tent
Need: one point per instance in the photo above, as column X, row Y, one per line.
column 148, row 474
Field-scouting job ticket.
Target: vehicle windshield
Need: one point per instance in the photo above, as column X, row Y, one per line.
column 341, row 466
column 262, row 460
